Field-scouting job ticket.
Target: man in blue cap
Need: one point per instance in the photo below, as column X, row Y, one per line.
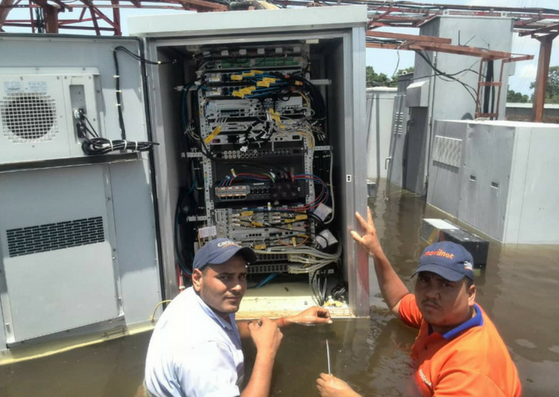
column 195, row 348
column 458, row 351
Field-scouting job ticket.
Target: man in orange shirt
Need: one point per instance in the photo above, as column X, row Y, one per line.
column 458, row 351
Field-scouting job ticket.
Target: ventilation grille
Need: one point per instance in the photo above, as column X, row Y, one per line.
column 28, row 117
column 55, row 236
column 398, row 121
column 447, row 151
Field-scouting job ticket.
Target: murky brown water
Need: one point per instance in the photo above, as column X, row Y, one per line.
column 519, row 289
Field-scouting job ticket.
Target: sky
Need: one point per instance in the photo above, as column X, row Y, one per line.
column 390, row 61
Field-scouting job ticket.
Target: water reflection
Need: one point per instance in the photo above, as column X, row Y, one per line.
column 518, row 289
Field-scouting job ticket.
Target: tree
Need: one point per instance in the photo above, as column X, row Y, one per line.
column 377, row 80
column 382, row 80
column 516, row 97
column 552, row 89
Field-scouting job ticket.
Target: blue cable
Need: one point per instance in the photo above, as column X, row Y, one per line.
column 266, row 280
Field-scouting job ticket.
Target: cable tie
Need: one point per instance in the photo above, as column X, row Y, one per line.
column 136, row 145
column 119, row 91
column 125, row 144
column 111, row 143
column 117, row 105
column 116, row 76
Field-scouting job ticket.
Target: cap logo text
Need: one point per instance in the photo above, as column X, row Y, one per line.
column 440, row 252
column 224, row 244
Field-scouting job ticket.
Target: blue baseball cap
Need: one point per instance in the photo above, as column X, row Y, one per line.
column 219, row 251
column 447, row 259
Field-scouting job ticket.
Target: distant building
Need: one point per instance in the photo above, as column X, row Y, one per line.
column 523, row 112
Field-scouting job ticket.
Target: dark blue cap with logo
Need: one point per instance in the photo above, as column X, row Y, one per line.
column 219, row 251
column 449, row 260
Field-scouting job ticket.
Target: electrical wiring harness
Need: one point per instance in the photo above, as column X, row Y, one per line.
column 93, row 144
column 251, row 120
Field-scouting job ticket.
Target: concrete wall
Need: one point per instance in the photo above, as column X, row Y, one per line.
column 523, row 112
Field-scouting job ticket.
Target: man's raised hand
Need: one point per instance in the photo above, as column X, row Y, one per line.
column 369, row 239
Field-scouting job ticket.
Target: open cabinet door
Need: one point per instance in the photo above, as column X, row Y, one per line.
column 77, row 231
column 262, row 126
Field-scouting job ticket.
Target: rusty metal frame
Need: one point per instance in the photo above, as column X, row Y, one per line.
column 381, row 13
column 542, row 24
column 441, row 44
column 55, row 9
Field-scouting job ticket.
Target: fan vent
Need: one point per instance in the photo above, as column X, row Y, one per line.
column 28, row 117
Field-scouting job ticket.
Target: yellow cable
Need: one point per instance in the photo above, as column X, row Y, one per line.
column 156, row 306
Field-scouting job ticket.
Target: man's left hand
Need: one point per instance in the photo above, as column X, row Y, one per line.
column 312, row 315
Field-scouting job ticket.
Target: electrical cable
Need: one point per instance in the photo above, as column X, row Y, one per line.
column 266, row 280
column 438, row 72
column 143, row 60
column 98, row 145
column 152, row 319
column 118, row 97
column 332, row 215
column 117, row 82
column 176, row 234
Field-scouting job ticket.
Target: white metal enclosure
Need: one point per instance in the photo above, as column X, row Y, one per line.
column 87, row 241
column 335, row 38
column 77, row 233
column 429, row 94
column 36, row 111
column 380, row 111
column 497, row 177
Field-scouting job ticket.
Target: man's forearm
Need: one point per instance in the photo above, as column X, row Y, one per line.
column 261, row 378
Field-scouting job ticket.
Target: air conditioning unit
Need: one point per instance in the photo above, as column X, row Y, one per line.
column 36, row 112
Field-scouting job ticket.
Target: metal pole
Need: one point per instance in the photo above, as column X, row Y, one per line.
column 51, row 18
column 541, row 79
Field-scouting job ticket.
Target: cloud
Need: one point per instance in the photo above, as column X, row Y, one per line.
column 527, row 71
column 524, row 75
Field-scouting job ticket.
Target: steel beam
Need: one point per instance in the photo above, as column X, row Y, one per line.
column 450, row 49
column 411, row 37
column 542, row 75
column 116, row 18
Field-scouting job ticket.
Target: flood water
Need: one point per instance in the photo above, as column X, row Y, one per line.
column 519, row 289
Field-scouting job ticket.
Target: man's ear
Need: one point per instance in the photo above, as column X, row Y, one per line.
column 197, row 279
column 472, row 294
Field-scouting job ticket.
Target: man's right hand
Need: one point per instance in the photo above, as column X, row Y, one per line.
column 330, row 386
column 369, row 240
column 266, row 336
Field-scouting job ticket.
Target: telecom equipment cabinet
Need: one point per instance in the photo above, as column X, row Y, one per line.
column 78, row 239
column 261, row 120
column 261, row 124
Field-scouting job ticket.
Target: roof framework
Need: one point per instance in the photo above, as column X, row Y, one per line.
column 103, row 17
column 62, row 13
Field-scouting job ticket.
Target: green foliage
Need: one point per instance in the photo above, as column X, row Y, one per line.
column 552, row 89
column 382, row 80
column 516, row 97
column 405, row 71
column 377, row 80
